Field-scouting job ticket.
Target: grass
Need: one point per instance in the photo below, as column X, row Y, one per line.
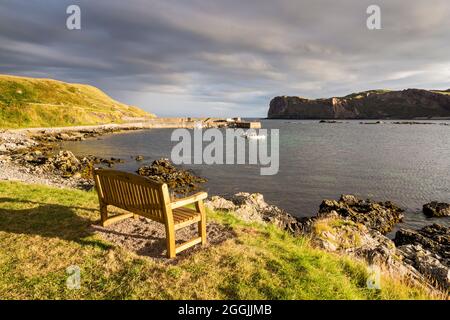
column 44, row 230
column 447, row 92
column 30, row 102
column 360, row 95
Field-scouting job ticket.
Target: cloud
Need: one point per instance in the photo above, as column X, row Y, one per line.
column 227, row 57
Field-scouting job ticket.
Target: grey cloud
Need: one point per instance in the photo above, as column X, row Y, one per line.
column 228, row 57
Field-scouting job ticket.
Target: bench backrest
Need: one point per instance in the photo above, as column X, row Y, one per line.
column 133, row 193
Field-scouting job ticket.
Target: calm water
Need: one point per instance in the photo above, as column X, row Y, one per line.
column 407, row 164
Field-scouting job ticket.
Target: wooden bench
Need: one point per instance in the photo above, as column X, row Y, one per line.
column 144, row 197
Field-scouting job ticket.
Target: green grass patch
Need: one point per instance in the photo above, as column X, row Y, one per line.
column 44, row 230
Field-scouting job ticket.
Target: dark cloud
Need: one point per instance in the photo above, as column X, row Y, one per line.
column 228, row 57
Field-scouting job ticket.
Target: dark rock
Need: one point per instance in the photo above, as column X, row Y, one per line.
column 329, row 121
column 428, row 251
column 435, row 238
column 427, row 263
column 412, row 122
column 380, row 216
column 180, row 182
column 66, row 162
column 436, row 209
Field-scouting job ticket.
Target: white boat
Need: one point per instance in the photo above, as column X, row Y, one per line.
column 198, row 125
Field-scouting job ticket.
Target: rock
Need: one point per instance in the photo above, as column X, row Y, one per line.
column 349, row 199
column 180, row 182
column 329, row 121
column 67, row 163
column 253, row 208
column 436, row 209
column 139, row 158
column 435, row 238
column 428, row 251
column 334, row 233
column 427, row 263
column 255, row 200
column 220, row 204
column 5, row 159
column 380, row 216
column 63, row 136
column 344, row 236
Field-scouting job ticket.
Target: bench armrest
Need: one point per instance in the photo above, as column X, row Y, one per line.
column 188, row 200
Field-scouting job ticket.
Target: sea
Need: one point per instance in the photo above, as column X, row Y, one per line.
column 408, row 164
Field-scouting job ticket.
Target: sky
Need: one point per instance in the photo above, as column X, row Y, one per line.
column 228, row 57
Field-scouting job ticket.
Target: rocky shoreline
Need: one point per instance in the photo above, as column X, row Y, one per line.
column 348, row 226
column 358, row 228
column 35, row 157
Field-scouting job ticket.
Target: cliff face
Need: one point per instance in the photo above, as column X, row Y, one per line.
column 375, row 104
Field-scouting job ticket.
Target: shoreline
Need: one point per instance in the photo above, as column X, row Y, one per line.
column 31, row 157
column 16, row 144
column 157, row 123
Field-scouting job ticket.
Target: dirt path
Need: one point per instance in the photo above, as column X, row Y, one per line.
column 148, row 238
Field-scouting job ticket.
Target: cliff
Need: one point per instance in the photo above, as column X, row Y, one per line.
column 374, row 104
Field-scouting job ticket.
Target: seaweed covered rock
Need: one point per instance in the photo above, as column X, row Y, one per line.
column 66, row 162
column 180, row 182
column 436, row 209
column 380, row 216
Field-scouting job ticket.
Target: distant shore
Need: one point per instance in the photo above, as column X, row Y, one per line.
column 157, row 123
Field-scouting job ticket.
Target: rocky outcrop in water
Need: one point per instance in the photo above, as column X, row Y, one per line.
column 436, row 209
column 180, row 182
column 380, row 216
column 374, row 104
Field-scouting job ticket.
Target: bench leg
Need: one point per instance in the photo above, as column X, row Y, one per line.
column 202, row 223
column 170, row 239
column 103, row 213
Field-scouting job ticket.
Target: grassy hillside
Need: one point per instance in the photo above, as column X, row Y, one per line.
column 30, row 102
column 44, row 230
